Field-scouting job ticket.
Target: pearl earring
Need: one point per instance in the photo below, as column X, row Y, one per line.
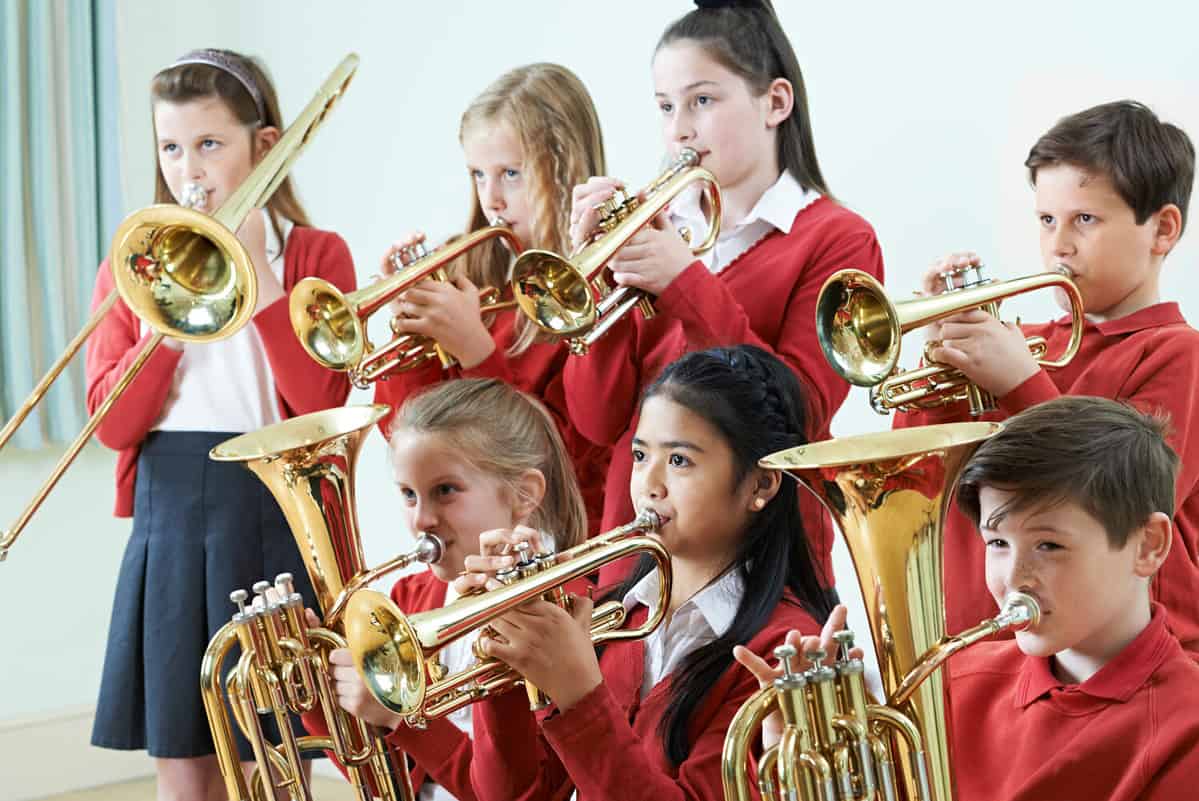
column 759, row 504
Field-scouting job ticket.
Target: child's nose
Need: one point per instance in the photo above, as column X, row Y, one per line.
column 681, row 128
column 426, row 518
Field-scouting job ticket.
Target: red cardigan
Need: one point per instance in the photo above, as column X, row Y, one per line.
column 765, row 297
column 538, row 372
column 301, row 384
column 1128, row 733
column 607, row 745
column 442, row 751
column 1149, row 358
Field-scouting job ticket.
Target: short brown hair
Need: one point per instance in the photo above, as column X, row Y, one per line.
column 1149, row 162
column 1107, row 457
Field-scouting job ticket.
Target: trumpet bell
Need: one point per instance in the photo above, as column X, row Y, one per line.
column 553, row 293
column 386, row 651
column 327, row 324
column 183, row 273
column 858, row 328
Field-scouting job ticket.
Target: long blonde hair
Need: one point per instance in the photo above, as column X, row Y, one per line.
column 553, row 116
column 503, row 432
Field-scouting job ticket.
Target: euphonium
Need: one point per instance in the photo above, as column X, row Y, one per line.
column 393, row 651
column 571, row 298
column 184, row 274
column 331, row 325
column 308, row 464
column 860, row 328
column 889, row 493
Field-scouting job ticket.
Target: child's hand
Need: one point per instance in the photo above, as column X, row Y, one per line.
column 253, row 236
column 993, row 354
column 932, row 284
column 447, row 312
column 584, row 214
column 496, row 549
column 652, row 258
column 352, row 695
column 387, row 266
column 550, row 647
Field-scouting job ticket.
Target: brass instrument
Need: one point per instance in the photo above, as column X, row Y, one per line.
column 331, row 325
column 860, row 328
column 571, row 298
column 393, row 651
column 308, row 465
column 889, row 493
column 184, row 274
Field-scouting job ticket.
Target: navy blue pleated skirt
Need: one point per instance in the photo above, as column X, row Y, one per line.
column 200, row 530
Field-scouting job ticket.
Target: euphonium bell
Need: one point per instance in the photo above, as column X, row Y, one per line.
column 183, row 273
column 571, row 298
column 308, row 465
column 392, row 651
column 331, row 325
column 860, row 329
column 889, row 494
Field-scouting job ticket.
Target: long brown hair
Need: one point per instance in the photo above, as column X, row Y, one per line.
column 553, row 116
column 186, row 82
column 503, row 432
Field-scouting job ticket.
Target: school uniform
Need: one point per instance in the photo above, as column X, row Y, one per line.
column 608, row 744
column 537, row 372
column 440, row 754
column 200, row 528
column 1127, row 733
column 758, row 286
column 1150, row 359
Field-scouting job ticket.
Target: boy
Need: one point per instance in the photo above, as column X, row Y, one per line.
column 1073, row 501
column 1112, row 186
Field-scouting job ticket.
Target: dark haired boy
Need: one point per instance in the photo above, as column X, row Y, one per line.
column 1073, row 500
column 1113, row 184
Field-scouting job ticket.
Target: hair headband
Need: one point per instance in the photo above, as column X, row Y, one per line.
column 234, row 67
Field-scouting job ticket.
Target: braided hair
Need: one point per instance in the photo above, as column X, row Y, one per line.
column 755, row 402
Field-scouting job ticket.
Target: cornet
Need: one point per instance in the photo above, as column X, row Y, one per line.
column 184, row 274
column 571, row 298
column 859, row 329
column 331, row 325
column 392, row 651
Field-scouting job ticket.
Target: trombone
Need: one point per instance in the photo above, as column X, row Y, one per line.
column 859, row 329
column 184, row 274
column 571, row 298
column 331, row 325
column 393, row 651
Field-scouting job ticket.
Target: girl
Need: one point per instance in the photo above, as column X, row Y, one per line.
column 469, row 456
column 647, row 719
column 531, row 135
column 202, row 528
column 727, row 85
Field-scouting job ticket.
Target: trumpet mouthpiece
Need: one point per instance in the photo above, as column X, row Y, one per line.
column 1020, row 611
column 429, row 549
column 194, row 196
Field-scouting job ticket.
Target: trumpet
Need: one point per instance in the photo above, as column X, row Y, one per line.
column 184, row 274
column 394, row 652
column 859, row 329
column 889, row 493
column 331, row 325
column 571, row 298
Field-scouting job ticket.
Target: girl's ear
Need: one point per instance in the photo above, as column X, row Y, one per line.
column 764, row 486
column 780, row 100
column 264, row 140
column 530, row 492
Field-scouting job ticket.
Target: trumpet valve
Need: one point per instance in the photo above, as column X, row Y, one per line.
column 408, row 254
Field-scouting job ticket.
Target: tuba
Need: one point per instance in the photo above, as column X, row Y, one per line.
column 889, row 493
column 570, row 298
column 393, row 652
column 860, row 328
column 331, row 325
column 184, row 274
column 308, row 465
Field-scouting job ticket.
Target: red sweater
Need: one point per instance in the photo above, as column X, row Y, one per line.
column 301, row 385
column 607, row 745
column 1129, row 732
column 538, row 372
column 441, row 752
column 765, row 297
column 1149, row 358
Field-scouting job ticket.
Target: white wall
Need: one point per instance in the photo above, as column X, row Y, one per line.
column 923, row 113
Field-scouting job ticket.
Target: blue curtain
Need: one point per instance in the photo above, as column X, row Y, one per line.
column 59, row 196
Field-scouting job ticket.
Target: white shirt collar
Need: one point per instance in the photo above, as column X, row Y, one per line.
column 778, row 206
column 274, row 247
column 717, row 602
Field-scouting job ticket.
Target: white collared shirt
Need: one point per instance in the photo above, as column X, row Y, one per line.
column 226, row 385
column 698, row 621
column 776, row 209
column 457, row 656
